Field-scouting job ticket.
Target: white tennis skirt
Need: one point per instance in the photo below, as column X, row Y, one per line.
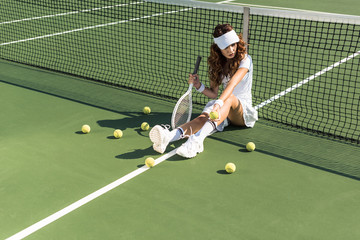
column 249, row 113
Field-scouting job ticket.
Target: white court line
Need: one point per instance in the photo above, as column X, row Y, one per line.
column 37, row 226
column 96, row 26
column 270, row 7
column 306, row 80
column 228, row 1
column 68, row 13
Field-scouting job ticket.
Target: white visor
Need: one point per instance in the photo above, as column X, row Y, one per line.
column 226, row 39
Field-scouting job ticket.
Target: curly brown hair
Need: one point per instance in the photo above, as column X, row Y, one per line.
column 220, row 66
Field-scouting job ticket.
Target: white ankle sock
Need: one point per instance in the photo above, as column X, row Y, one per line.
column 176, row 134
column 205, row 131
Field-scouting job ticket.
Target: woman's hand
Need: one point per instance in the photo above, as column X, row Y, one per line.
column 194, row 79
column 216, row 109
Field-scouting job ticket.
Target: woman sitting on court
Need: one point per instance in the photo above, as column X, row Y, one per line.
column 231, row 66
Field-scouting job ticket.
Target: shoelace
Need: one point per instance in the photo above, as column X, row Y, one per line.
column 165, row 126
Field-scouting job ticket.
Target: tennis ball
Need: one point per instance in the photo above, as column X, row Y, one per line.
column 145, row 126
column 118, row 133
column 149, row 162
column 85, row 128
column 214, row 115
column 147, row 110
column 230, row 167
column 250, row 146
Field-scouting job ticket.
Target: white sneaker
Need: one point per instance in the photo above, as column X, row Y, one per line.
column 160, row 136
column 191, row 147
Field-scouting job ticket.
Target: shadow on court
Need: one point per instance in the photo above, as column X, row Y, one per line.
column 137, row 153
column 134, row 120
column 222, row 172
column 311, row 151
column 330, row 156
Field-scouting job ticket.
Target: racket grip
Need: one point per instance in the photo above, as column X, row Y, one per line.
column 197, row 64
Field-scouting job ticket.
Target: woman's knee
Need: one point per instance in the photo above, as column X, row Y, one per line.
column 234, row 102
column 203, row 117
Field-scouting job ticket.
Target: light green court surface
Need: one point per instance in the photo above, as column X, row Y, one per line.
column 46, row 165
column 349, row 7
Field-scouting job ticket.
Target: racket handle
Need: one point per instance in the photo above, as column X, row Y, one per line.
column 197, row 64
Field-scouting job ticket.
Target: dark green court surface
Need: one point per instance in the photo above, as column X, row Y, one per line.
column 293, row 186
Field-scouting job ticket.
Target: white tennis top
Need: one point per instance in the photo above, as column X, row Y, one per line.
column 243, row 92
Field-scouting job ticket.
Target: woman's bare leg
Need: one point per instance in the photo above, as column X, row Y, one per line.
column 195, row 125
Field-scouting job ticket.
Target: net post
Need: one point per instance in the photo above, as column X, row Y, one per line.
column 246, row 22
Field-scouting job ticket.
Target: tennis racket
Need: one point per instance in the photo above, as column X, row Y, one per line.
column 183, row 108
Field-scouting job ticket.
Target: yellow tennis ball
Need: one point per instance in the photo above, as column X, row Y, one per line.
column 118, row 133
column 147, row 110
column 230, row 167
column 214, row 115
column 250, row 146
column 149, row 162
column 85, row 128
column 145, row 126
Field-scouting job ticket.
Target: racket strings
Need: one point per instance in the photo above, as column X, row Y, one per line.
column 182, row 113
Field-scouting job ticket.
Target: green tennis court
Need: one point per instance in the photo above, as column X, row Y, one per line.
column 301, row 182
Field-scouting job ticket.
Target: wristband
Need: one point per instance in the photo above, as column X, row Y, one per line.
column 219, row 102
column 201, row 88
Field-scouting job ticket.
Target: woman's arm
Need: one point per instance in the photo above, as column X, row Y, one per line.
column 234, row 81
column 211, row 92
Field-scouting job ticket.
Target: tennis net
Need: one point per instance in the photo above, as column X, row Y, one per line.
column 306, row 72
